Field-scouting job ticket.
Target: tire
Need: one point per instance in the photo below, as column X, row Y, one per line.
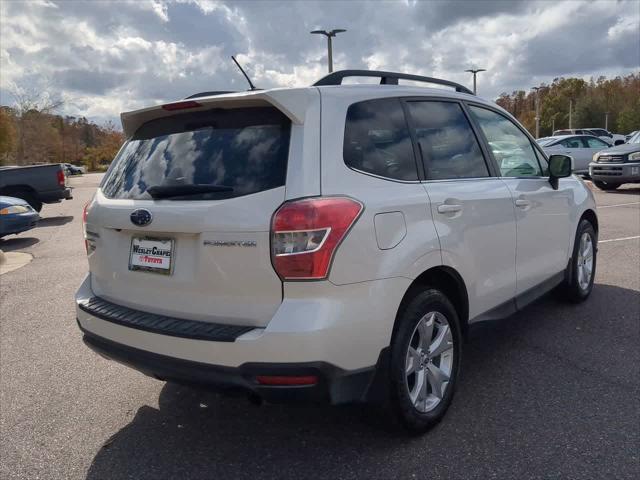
column 606, row 186
column 33, row 201
column 428, row 314
column 576, row 287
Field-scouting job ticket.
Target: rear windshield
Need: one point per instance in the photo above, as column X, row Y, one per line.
column 242, row 150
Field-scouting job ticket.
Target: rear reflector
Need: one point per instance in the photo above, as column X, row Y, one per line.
column 181, row 105
column 287, row 380
column 306, row 233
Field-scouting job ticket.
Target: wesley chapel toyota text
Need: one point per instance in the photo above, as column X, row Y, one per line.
column 329, row 243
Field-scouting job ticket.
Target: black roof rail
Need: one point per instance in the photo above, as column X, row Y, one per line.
column 208, row 94
column 387, row 78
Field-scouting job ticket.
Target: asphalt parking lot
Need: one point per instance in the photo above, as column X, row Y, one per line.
column 553, row 392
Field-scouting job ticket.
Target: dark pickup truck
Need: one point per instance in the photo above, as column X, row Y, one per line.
column 37, row 184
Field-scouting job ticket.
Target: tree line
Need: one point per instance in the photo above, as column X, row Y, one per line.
column 31, row 132
column 599, row 103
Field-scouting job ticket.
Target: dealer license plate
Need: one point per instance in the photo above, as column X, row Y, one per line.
column 151, row 255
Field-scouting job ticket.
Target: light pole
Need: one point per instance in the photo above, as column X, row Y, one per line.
column 536, row 89
column 329, row 34
column 475, row 72
column 606, row 121
column 570, row 113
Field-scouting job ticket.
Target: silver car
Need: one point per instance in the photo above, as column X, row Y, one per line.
column 580, row 147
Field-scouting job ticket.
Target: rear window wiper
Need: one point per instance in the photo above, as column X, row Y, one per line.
column 169, row 191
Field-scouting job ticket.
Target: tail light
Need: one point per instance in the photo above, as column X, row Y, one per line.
column 89, row 237
column 306, row 233
column 61, row 177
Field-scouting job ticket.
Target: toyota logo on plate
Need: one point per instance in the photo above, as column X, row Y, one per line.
column 141, row 217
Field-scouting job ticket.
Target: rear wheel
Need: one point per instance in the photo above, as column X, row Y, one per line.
column 425, row 360
column 582, row 269
column 606, row 186
column 33, row 201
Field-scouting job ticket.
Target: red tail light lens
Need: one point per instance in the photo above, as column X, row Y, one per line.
column 61, row 178
column 306, row 233
column 89, row 240
column 181, row 105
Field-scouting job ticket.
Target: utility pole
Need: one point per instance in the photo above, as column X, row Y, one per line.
column 329, row 34
column 606, row 121
column 537, row 89
column 570, row 113
column 475, row 72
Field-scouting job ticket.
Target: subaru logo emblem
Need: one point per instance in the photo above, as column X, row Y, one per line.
column 141, row 217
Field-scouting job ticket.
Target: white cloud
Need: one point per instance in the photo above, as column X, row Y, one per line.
column 103, row 57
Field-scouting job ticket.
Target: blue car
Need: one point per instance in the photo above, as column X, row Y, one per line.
column 16, row 216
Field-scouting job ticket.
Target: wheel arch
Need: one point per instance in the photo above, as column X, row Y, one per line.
column 7, row 190
column 591, row 217
column 449, row 282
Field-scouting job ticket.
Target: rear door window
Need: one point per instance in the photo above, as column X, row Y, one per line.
column 377, row 140
column 448, row 145
column 574, row 142
column 243, row 151
column 592, row 142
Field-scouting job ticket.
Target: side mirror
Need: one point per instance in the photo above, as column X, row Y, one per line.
column 560, row 166
column 619, row 142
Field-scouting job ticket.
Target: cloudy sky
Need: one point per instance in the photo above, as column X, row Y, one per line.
column 103, row 57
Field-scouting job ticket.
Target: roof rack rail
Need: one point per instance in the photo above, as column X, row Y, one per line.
column 387, row 78
column 208, row 94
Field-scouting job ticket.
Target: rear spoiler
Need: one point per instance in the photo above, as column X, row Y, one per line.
column 293, row 102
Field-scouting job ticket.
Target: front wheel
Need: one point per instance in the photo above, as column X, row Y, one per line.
column 582, row 268
column 606, row 186
column 425, row 360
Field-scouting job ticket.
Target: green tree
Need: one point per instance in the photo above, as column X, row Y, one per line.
column 7, row 135
column 629, row 118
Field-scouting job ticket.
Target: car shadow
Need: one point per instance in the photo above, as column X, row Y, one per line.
column 9, row 244
column 199, row 434
column 55, row 221
column 626, row 190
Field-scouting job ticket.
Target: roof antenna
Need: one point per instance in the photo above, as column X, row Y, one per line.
column 244, row 73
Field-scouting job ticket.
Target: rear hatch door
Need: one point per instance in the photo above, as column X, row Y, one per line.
column 180, row 225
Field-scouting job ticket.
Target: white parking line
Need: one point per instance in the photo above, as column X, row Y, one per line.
column 618, row 239
column 619, row 205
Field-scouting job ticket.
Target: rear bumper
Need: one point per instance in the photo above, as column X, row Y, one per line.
column 628, row 172
column 55, row 196
column 333, row 385
column 336, row 333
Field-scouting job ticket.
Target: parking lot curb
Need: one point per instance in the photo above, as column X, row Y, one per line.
column 11, row 261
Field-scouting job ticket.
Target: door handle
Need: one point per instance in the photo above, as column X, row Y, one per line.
column 447, row 208
column 522, row 203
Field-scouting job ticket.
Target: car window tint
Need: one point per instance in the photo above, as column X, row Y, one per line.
column 572, row 143
column 596, row 143
column 377, row 140
column 447, row 142
column 245, row 149
column 543, row 162
column 519, row 160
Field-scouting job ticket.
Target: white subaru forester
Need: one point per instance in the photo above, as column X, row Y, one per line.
column 329, row 243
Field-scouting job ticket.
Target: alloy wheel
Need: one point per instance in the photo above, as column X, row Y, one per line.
column 585, row 261
column 429, row 361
